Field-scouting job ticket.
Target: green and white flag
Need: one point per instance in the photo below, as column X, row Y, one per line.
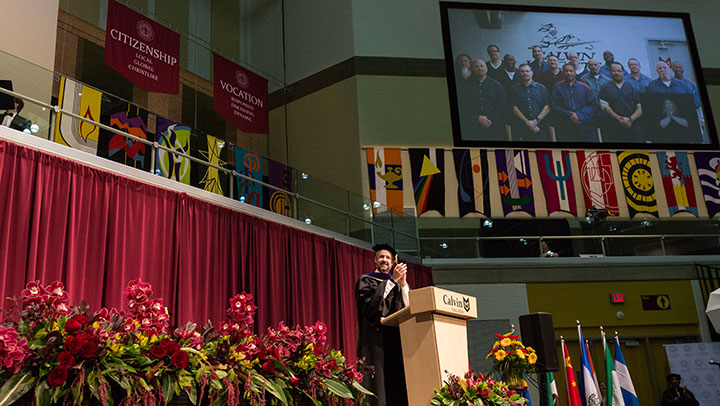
column 551, row 388
column 614, row 395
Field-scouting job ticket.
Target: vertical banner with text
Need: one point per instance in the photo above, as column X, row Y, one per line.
column 143, row 51
column 240, row 96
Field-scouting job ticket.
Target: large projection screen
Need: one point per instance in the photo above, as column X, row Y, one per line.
column 656, row 98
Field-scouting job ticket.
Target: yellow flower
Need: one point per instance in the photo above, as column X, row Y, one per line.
column 530, row 349
column 520, row 354
column 463, row 384
column 117, row 349
column 153, row 339
column 497, row 345
column 532, row 358
column 518, row 343
column 500, row 355
column 505, row 342
column 142, row 339
column 96, row 325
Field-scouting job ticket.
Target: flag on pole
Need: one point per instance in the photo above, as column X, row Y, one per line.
column 613, row 393
column 571, row 389
column 592, row 369
column 589, row 393
column 626, row 386
column 551, row 391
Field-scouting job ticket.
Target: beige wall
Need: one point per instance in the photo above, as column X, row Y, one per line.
column 28, row 30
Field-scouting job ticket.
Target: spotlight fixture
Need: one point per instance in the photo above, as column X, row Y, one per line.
column 488, row 223
column 308, row 220
column 304, row 175
column 523, row 241
column 34, row 128
column 242, row 199
column 366, row 206
column 646, row 223
column 443, row 245
column 377, row 205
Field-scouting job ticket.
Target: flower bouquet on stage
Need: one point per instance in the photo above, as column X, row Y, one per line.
column 512, row 359
column 52, row 354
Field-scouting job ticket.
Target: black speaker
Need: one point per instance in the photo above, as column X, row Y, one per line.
column 537, row 332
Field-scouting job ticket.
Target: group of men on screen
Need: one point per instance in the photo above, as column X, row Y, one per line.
column 574, row 100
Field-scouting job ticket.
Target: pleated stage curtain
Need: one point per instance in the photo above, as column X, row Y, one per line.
column 94, row 231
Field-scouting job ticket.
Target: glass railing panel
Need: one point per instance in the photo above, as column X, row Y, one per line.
column 323, row 216
column 449, row 248
column 33, row 82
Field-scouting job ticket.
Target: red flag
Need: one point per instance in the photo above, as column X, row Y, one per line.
column 571, row 389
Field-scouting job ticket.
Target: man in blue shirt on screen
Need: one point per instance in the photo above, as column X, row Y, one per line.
column 636, row 79
column 665, row 83
column 574, row 109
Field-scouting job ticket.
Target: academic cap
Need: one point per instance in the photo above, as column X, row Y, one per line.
column 671, row 376
column 386, row 247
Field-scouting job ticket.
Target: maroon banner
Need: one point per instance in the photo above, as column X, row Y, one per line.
column 143, row 51
column 240, row 96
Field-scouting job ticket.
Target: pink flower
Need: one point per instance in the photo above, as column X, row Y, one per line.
column 294, row 381
column 268, row 367
column 12, row 351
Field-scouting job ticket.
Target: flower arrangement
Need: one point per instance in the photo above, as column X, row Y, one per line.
column 51, row 353
column 512, row 358
column 475, row 390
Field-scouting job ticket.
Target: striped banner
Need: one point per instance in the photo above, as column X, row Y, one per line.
column 638, row 182
column 677, row 182
column 708, row 167
column 471, row 169
column 515, row 181
column 598, row 183
column 428, row 179
column 556, row 176
column 385, row 176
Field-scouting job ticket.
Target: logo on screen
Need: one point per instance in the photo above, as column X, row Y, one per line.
column 145, row 30
column 242, row 79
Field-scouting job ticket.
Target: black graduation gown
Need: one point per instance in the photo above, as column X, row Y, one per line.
column 380, row 345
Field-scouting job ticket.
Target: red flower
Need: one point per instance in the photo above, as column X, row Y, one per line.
column 294, row 381
column 172, row 346
column 57, row 377
column 179, row 359
column 485, row 394
column 89, row 349
column 75, row 324
column 160, row 350
column 268, row 367
column 66, row 360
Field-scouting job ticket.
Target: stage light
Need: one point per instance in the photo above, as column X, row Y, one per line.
column 242, row 199
column 443, row 245
column 646, row 223
column 304, row 175
column 308, row 220
column 377, row 205
column 366, row 206
column 34, row 128
column 523, row 241
column 488, row 223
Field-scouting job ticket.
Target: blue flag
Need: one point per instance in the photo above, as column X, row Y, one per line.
column 588, row 390
column 626, row 385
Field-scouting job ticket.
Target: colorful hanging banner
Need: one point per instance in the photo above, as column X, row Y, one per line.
column 141, row 50
column 515, row 181
column 638, row 182
column 598, row 182
column 83, row 101
column 708, row 167
column 426, row 167
column 385, row 176
column 279, row 175
column 211, row 150
column 128, row 118
column 677, row 182
column 557, row 179
column 176, row 137
column 240, row 96
column 249, row 163
column 471, row 169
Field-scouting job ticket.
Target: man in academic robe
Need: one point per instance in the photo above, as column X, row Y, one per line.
column 379, row 294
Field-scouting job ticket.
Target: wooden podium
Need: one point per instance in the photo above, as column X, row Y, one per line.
column 434, row 339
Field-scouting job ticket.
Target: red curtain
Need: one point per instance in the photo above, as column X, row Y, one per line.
column 94, row 231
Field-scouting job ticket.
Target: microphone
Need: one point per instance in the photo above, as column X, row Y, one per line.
column 711, row 362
